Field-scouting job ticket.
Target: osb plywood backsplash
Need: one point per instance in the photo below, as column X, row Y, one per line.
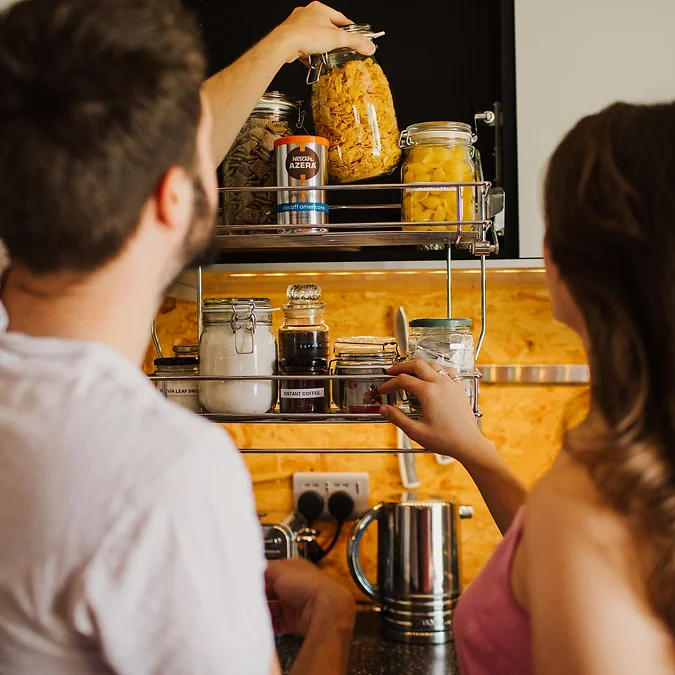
column 523, row 421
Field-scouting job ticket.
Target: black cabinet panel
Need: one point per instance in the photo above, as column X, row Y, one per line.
column 445, row 60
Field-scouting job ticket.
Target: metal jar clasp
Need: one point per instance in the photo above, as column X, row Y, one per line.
column 243, row 322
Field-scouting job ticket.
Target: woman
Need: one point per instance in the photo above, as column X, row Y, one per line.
column 583, row 582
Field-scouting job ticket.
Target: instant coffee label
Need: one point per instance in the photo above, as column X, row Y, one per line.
column 319, row 392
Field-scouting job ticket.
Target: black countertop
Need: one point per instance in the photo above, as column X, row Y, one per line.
column 373, row 655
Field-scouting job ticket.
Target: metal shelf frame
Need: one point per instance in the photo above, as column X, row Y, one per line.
column 477, row 236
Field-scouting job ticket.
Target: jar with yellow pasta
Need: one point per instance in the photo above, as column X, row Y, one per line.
column 353, row 108
column 439, row 152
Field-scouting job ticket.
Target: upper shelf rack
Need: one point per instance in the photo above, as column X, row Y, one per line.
column 477, row 236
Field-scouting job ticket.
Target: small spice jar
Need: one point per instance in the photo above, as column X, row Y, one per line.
column 237, row 340
column 448, row 342
column 353, row 108
column 363, row 356
column 184, row 362
column 251, row 161
column 304, row 343
column 439, row 152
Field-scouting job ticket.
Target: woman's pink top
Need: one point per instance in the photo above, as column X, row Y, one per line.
column 492, row 632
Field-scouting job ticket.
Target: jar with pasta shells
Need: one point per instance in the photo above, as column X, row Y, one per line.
column 439, row 152
column 251, row 162
column 353, row 108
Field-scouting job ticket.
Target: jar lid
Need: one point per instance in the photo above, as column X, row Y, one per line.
column 184, row 361
column 437, row 132
column 366, row 346
column 213, row 305
column 303, row 292
column 277, row 102
column 317, row 61
column 285, row 140
column 304, row 297
column 186, row 350
column 441, row 323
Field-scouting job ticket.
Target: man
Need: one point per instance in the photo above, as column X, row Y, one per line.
column 129, row 540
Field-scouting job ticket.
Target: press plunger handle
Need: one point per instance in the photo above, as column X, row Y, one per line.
column 354, row 548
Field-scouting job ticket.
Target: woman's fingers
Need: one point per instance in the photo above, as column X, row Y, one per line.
column 413, row 385
column 418, row 368
column 409, row 426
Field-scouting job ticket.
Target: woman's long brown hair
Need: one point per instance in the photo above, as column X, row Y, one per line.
column 610, row 215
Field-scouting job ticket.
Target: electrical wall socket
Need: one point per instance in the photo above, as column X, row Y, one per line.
column 354, row 484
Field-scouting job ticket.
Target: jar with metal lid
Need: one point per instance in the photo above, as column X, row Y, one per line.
column 363, row 356
column 439, row 152
column 304, row 343
column 251, row 161
column 183, row 392
column 353, row 108
column 448, row 342
column 237, row 340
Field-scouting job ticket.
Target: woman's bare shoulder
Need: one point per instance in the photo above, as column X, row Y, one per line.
column 568, row 500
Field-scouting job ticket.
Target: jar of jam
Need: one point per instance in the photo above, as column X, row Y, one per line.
column 361, row 357
column 304, row 343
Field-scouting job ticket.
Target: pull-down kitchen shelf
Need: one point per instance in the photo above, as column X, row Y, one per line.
column 476, row 236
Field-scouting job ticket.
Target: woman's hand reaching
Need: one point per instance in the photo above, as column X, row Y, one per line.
column 447, row 425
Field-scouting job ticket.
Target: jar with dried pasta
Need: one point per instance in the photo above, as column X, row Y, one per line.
column 353, row 108
column 439, row 152
column 251, row 162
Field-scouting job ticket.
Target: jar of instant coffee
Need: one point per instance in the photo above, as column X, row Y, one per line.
column 304, row 343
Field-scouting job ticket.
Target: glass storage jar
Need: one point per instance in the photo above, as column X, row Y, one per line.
column 183, row 392
column 237, row 339
column 371, row 356
column 251, row 162
column 439, row 152
column 448, row 342
column 353, row 108
column 304, row 343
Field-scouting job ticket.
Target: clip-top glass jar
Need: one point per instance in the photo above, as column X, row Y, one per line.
column 237, row 340
column 439, row 152
column 448, row 342
column 353, row 108
column 304, row 343
column 363, row 356
column 251, row 162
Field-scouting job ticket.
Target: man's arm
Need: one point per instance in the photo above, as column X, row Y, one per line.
column 316, row 607
column 233, row 92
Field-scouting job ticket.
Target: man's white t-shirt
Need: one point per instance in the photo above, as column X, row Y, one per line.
column 129, row 541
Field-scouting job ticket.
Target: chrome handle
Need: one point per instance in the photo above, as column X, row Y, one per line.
column 354, row 548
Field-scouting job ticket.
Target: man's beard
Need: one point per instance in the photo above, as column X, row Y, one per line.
column 199, row 246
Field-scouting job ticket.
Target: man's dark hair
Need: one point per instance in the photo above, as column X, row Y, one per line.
column 98, row 100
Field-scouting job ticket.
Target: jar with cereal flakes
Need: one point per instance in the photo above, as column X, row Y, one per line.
column 439, row 152
column 353, row 108
column 251, row 161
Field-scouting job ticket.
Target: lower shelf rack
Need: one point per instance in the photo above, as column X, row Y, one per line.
column 335, row 416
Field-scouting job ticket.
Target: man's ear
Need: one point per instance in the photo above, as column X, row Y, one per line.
column 174, row 199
